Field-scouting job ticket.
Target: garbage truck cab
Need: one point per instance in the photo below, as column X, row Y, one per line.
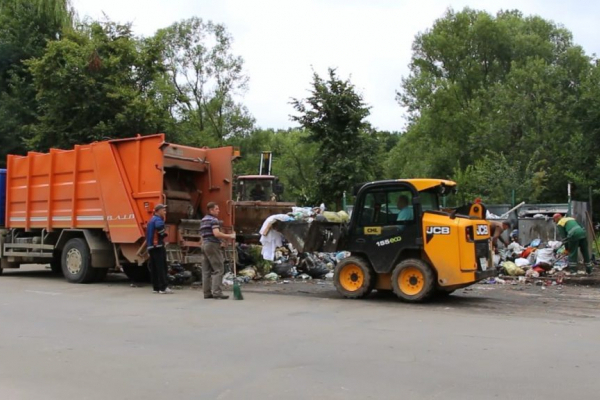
column 402, row 239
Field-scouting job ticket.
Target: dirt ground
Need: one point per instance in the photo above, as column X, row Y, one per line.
column 572, row 299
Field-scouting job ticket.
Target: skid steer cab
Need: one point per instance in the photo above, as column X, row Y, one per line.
column 402, row 239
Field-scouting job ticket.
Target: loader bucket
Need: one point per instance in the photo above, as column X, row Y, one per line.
column 315, row 236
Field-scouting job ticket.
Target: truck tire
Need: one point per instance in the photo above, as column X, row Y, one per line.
column 139, row 274
column 413, row 280
column 77, row 262
column 354, row 278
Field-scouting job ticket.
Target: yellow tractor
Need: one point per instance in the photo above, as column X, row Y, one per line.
column 401, row 238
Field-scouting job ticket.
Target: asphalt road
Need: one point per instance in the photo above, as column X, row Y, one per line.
column 299, row 341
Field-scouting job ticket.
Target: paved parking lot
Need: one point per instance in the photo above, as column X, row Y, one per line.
column 297, row 341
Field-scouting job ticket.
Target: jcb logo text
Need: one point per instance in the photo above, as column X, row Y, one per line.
column 438, row 230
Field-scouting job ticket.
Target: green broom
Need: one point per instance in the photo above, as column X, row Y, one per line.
column 237, row 290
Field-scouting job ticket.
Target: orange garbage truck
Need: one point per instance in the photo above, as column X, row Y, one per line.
column 85, row 210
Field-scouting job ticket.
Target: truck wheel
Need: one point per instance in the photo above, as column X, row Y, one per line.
column 136, row 273
column 353, row 278
column 77, row 262
column 413, row 280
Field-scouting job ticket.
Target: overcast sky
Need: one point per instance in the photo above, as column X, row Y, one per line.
column 367, row 40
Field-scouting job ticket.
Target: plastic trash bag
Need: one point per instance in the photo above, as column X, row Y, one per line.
column 248, row 272
column 512, row 269
column 272, row 276
column 522, row 262
column 545, row 256
column 284, row 270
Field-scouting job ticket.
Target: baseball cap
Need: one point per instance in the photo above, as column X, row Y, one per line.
column 159, row 207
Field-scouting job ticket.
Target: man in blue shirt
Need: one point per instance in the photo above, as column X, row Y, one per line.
column 405, row 212
column 155, row 241
column 213, row 266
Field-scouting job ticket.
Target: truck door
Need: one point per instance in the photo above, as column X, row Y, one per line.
column 385, row 222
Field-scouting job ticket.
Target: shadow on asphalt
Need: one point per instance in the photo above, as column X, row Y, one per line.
column 380, row 297
column 116, row 278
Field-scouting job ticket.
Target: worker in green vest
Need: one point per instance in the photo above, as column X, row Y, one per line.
column 576, row 239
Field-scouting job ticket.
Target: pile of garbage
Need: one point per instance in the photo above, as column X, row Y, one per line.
column 536, row 260
column 310, row 214
column 287, row 264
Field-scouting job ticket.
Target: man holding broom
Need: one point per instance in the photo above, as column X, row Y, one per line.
column 213, row 266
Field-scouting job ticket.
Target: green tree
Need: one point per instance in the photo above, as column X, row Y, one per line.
column 506, row 86
column 97, row 82
column 206, row 79
column 26, row 26
column 334, row 116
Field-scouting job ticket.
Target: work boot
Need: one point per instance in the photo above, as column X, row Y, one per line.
column 589, row 268
column 208, row 296
column 220, row 297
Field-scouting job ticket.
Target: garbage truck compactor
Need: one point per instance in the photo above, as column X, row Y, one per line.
column 85, row 210
column 402, row 239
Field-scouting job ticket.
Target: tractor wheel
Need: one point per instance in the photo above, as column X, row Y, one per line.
column 77, row 262
column 413, row 280
column 354, row 278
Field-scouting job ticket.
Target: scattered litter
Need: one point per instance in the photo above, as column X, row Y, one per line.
column 512, row 269
column 272, row 276
column 248, row 272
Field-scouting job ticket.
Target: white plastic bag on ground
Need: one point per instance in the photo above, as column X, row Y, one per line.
column 516, row 248
column 522, row 262
column 544, row 256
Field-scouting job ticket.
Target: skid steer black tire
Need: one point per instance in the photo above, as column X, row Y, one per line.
column 413, row 280
column 354, row 278
column 77, row 262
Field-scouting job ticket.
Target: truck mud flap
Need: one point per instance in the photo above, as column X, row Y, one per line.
column 307, row 237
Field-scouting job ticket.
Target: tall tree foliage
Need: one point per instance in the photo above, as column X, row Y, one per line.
column 26, row 26
column 334, row 116
column 98, row 82
column 483, row 85
column 206, row 81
